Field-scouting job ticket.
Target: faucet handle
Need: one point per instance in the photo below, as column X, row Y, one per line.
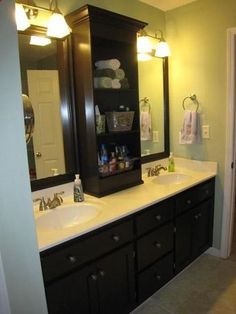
column 57, row 196
column 149, row 171
column 42, row 205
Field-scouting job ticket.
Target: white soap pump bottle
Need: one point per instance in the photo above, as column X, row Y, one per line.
column 78, row 190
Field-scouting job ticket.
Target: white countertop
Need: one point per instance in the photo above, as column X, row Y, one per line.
column 126, row 202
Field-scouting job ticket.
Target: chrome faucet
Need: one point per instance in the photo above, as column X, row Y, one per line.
column 155, row 171
column 56, row 201
column 50, row 204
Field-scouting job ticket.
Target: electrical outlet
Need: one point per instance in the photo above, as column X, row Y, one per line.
column 155, row 136
column 205, row 131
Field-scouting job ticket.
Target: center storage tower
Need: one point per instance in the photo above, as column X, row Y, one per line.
column 112, row 88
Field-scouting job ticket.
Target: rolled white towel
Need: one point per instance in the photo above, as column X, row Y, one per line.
column 120, row 74
column 113, row 64
column 116, row 83
column 102, row 82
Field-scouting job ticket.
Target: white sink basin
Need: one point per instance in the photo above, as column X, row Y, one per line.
column 66, row 216
column 171, row 178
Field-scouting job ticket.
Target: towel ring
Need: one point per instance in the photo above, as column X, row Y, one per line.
column 144, row 102
column 193, row 97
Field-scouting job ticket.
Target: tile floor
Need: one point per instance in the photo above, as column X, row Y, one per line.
column 207, row 286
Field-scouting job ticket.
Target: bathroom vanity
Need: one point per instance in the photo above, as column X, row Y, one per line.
column 132, row 248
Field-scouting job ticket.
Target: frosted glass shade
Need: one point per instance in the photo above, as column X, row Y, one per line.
column 144, row 45
column 162, row 49
column 40, row 41
column 57, row 26
column 22, row 22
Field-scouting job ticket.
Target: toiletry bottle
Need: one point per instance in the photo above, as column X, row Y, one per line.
column 104, row 159
column 78, row 190
column 171, row 163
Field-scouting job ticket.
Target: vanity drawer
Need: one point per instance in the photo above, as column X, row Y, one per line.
column 206, row 190
column 194, row 196
column 186, row 200
column 76, row 253
column 153, row 278
column 154, row 245
column 154, row 216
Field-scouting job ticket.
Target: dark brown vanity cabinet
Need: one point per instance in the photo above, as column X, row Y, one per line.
column 78, row 280
column 194, row 223
column 116, row 267
column 98, row 35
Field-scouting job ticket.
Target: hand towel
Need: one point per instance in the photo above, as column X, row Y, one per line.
column 124, row 83
column 113, row 64
column 102, row 82
column 115, row 83
column 145, row 125
column 120, row 74
column 105, row 72
column 190, row 132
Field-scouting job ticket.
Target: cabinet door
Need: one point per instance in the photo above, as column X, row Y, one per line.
column 183, row 241
column 105, row 286
column 76, row 293
column 116, row 286
column 202, row 227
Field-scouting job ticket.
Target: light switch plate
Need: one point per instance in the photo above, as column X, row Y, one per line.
column 205, row 131
column 155, row 136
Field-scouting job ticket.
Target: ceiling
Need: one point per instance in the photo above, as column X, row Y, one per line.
column 166, row 5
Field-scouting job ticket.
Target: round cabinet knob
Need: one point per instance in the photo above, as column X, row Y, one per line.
column 158, row 217
column 94, row 277
column 157, row 245
column 101, row 273
column 196, row 217
column 158, row 277
column 72, row 259
column 189, row 202
column 38, row 155
column 116, row 238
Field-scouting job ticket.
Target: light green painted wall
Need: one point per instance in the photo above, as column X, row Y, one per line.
column 197, row 37
column 18, row 246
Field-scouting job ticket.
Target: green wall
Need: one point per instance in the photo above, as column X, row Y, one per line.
column 198, row 40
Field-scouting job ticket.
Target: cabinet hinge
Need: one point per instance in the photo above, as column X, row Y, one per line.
column 134, row 254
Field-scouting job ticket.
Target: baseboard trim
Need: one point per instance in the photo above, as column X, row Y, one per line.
column 213, row 251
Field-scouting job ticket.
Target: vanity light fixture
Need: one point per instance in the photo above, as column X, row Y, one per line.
column 57, row 26
column 22, row 21
column 40, row 41
column 26, row 11
column 145, row 47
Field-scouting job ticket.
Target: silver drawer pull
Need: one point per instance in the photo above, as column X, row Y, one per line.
column 101, row 273
column 72, row 259
column 94, row 277
column 158, row 277
column 189, row 202
column 116, row 238
column 158, row 217
column 196, row 217
column 157, row 245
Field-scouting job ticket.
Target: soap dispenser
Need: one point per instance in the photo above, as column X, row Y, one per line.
column 171, row 163
column 78, row 190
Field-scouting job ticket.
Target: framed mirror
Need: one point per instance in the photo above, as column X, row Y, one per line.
column 45, row 78
column 154, row 108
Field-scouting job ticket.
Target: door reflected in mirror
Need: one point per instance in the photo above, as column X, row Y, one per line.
column 151, row 106
column 40, row 81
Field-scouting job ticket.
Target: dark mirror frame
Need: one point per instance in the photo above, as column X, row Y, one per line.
column 166, row 152
column 68, row 123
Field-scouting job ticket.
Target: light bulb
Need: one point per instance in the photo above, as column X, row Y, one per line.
column 57, row 26
column 162, row 50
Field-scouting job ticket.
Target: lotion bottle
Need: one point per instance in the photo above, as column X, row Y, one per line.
column 78, row 190
column 171, row 163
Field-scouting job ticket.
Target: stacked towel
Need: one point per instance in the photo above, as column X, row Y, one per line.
column 190, row 132
column 108, row 74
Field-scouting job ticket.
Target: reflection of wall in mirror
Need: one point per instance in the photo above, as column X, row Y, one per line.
column 151, row 86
